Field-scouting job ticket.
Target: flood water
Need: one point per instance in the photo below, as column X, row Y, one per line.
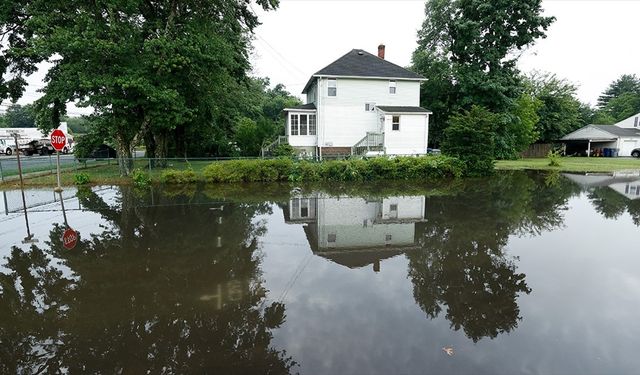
column 517, row 273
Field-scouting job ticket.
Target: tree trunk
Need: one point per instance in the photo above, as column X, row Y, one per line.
column 125, row 161
column 162, row 148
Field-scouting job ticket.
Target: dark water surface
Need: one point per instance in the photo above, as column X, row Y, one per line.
column 518, row 273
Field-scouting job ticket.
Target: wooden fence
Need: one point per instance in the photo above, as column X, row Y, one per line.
column 537, row 150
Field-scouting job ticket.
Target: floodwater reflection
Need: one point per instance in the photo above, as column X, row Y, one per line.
column 351, row 279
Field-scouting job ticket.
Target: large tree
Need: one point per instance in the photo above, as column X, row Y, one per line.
column 627, row 83
column 473, row 46
column 560, row 112
column 153, row 70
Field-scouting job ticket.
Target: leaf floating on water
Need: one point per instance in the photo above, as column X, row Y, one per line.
column 448, row 350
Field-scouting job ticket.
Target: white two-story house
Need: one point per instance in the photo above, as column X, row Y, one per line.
column 360, row 104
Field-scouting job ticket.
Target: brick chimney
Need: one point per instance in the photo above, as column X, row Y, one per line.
column 381, row 51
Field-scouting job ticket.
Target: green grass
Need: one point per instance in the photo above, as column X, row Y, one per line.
column 571, row 164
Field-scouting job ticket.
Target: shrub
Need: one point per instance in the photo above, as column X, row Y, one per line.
column 470, row 138
column 140, row 178
column 380, row 168
column 81, row 178
column 249, row 170
column 554, row 158
column 174, row 176
column 284, row 150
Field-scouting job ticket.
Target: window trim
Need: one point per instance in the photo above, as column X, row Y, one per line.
column 393, row 87
column 297, row 124
column 315, row 124
column 306, row 124
column 369, row 106
column 394, row 123
column 335, row 87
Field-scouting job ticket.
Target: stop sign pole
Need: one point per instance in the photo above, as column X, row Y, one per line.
column 58, row 140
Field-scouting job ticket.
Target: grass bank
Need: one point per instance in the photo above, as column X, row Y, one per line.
column 571, row 164
column 264, row 170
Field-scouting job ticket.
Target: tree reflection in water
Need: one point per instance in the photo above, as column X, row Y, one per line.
column 164, row 288
column 463, row 266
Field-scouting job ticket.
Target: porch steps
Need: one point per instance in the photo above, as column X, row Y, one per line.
column 268, row 149
column 372, row 143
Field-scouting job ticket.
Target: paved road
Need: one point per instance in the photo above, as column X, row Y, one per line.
column 9, row 164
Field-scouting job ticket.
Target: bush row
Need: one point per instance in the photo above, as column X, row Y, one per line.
column 381, row 168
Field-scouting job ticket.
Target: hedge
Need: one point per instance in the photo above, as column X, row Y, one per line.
column 380, row 168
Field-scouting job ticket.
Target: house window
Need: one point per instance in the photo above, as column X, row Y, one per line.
column 303, row 124
column 331, row 237
column 333, row 87
column 393, row 207
column 388, row 237
column 294, row 125
column 369, row 107
column 395, row 123
column 304, row 208
column 312, row 124
column 392, row 87
column 635, row 123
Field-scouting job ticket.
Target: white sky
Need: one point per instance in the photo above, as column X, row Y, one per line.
column 591, row 43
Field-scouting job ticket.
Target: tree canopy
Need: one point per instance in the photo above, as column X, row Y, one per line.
column 163, row 72
column 469, row 49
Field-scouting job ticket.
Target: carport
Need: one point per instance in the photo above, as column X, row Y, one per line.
column 594, row 137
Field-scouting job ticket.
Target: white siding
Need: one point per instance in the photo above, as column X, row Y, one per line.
column 411, row 139
column 312, row 94
column 626, row 145
column 631, row 122
column 343, row 117
column 301, row 140
column 352, row 222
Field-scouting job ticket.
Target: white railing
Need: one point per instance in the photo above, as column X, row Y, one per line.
column 370, row 142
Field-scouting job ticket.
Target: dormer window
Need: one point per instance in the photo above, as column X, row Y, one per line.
column 333, row 87
column 392, row 87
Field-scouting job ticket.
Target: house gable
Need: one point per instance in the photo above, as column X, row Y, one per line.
column 358, row 63
column 632, row 122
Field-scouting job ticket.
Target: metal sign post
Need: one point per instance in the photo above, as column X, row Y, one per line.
column 58, row 140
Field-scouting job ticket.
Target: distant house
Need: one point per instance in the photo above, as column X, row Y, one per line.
column 360, row 104
column 623, row 136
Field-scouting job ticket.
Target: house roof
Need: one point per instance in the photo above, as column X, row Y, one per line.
column 304, row 107
column 600, row 132
column 360, row 63
column 402, row 109
column 616, row 130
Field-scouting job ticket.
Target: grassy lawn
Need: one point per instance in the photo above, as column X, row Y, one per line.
column 101, row 173
column 572, row 164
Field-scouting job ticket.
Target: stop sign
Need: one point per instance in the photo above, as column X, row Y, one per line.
column 58, row 139
column 69, row 239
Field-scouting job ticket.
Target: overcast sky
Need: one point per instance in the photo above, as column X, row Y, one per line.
column 591, row 43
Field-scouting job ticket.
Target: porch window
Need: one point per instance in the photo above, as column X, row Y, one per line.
column 333, row 87
column 294, row 125
column 312, row 124
column 303, row 124
column 392, row 87
column 395, row 123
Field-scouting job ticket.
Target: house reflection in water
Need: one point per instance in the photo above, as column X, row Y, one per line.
column 626, row 183
column 356, row 232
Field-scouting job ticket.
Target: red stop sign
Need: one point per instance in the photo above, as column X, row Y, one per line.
column 58, row 139
column 69, row 239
